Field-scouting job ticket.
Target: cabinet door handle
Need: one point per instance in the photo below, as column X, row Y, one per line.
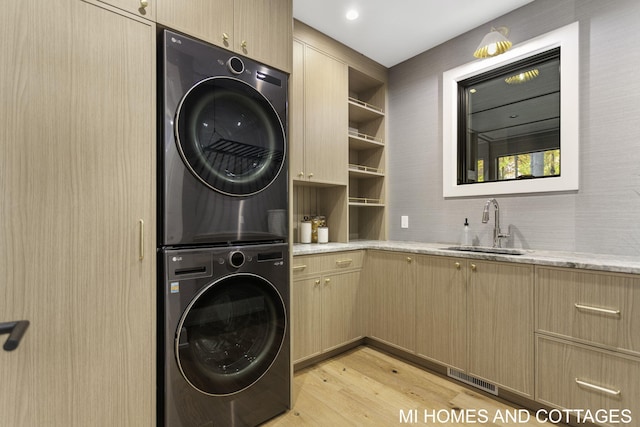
column 474, row 267
column 16, row 331
column 597, row 309
column 299, row 267
column 326, row 281
column 604, row 390
column 225, row 37
column 144, row 4
column 317, row 282
column 457, row 264
column 311, row 175
column 141, row 248
column 243, row 44
column 301, row 174
column 343, row 262
column 409, row 259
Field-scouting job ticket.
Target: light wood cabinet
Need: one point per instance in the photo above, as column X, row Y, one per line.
column 441, row 312
column 575, row 376
column 477, row 317
column 593, row 307
column 142, row 8
column 261, row 30
column 587, row 344
column 319, row 145
column 78, row 165
column 338, row 102
column 500, row 324
column 326, row 303
column 391, row 283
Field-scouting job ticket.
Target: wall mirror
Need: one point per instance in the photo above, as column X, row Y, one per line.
column 510, row 123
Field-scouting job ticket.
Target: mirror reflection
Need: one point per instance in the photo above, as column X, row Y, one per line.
column 509, row 122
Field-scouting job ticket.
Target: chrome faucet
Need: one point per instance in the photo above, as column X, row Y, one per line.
column 497, row 234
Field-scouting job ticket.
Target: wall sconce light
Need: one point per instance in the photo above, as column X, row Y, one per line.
column 525, row 76
column 494, row 43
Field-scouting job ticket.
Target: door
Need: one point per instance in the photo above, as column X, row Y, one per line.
column 500, row 324
column 326, row 119
column 77, row 174
column 441, row 315
column 230, row 334
column 230, row 136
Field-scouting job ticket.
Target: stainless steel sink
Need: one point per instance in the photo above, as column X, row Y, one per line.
column 487, row 250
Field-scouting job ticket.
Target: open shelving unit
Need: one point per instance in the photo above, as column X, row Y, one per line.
column 367, row 159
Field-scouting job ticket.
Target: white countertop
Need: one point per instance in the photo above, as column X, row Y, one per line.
column 589, row 261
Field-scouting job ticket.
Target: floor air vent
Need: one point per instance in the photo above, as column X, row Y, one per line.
column 472, row 381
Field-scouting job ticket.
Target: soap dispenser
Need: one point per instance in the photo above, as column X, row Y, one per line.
column 466, row 233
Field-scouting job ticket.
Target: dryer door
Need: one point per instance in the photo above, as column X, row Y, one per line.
column 230, row 334
column 230, row 136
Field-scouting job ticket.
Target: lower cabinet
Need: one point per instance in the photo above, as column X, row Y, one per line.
column 587, row 346
column 602, row 384
column 326, row 303
column 500, row 324
column 390, row 280
column 474, row 316
column 441, row 315
column 477, row 317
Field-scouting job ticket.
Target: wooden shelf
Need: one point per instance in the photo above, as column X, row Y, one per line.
column 362, row 171
column 365, row 201
column 360, row 111
column 362, row 141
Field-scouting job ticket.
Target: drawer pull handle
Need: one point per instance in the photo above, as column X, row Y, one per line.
column 597, row 388
column 597, row 309
column 299, row 267
column 141, row 242
column 343, row 262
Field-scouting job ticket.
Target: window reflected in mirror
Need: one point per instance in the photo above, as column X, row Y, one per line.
column 509, row 122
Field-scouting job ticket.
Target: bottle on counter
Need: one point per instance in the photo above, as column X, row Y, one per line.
column 466, row 233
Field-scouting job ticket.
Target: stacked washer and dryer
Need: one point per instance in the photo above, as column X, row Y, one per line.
column 224, row 352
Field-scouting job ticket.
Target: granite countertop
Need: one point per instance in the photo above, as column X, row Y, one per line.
column 589, row 261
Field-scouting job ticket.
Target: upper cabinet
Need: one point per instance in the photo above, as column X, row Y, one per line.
column 319, row 117
column 338, row 136
column 143, row 8
column 260, row 30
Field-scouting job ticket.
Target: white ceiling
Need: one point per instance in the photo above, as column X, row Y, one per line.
column 391, row 31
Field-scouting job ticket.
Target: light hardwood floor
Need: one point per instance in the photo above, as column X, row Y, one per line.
column 365, row 387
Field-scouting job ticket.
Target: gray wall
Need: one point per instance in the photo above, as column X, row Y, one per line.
column 603, row 216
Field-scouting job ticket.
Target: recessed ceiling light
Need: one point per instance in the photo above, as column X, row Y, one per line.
column 352, row 15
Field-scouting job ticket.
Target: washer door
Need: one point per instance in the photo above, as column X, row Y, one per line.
column 230, row 334
column 230, row 136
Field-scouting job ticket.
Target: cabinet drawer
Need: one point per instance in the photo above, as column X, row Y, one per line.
column 574, row 376
column 313, row 264
column 599, row 308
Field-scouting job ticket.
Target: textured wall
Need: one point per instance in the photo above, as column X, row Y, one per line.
column 604, row 215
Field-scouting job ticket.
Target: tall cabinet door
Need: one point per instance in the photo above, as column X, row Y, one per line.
column 326, row 118
column 76, row 184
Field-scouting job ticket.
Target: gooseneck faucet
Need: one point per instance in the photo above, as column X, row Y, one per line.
column 497, row 234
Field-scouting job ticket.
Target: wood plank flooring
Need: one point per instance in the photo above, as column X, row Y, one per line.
column 365, row 387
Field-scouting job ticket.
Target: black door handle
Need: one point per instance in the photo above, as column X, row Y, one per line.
column 15, row 330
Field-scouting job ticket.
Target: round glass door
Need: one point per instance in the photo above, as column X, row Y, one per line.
column 230, row 334
column 230, row 136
